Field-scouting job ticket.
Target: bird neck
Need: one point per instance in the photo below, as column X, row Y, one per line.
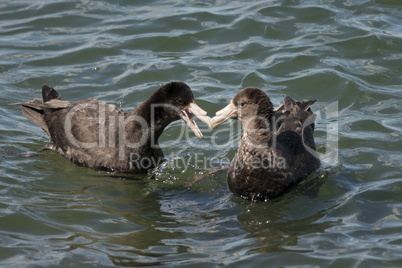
column 152, row 115
column 257, row 131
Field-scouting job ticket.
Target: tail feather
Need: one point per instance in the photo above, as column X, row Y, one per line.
column 291, row 105
column 289, row 102
column 295, row 115
column 48, row 93
column 34, row 110
column 305, row 105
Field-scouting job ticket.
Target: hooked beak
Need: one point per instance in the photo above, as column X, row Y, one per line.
column 229, row 112
column 187, row 116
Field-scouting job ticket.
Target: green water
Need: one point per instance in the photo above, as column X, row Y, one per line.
column 346, row 54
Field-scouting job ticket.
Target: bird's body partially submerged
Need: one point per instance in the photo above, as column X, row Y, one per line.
column 277, row 148
column 96, row 134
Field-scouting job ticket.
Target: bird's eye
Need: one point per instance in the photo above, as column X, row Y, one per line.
column 180, row 102
column 242, row 104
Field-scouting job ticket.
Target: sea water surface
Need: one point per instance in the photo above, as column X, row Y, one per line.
column 346, row 54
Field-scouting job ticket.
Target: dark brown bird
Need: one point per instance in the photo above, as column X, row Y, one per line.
column 276, row 149
column 96, row 134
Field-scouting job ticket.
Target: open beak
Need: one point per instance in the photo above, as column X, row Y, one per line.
column 187, row 116
column 229, row 112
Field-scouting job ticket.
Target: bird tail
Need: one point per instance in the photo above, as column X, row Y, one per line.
column 34, row 110
column 49, row 93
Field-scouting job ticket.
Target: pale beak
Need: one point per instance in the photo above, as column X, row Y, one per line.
column 229, row 112
column 187, row 116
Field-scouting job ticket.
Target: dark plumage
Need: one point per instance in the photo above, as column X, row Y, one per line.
column 96, row 134
column 277, row 148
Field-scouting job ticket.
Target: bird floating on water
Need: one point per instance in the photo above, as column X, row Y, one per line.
column 96, row 134
column 276, row 150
